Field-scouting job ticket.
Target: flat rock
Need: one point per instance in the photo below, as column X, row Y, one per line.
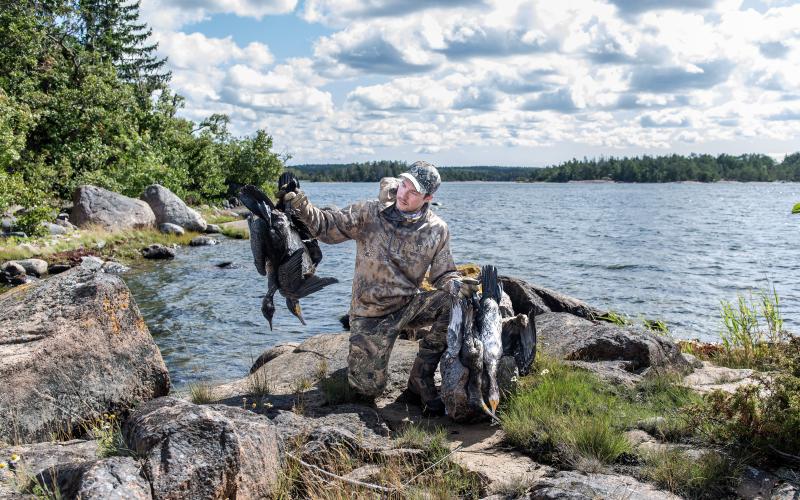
column 527, row 297
column 115, row 478
column 212, row 229
column 72, row 347
column 33, row 267
column 93, row 205
column 579, row 486
column 200, row 241
column 711, row 377
column 167, row 207
column 43, row 459
column 170, row 228
column 212, row 451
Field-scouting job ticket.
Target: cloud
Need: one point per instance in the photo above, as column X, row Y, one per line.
column 560, row 100
column 196, row 51
column 664, row 120
column 785, row 115
column 639, row 6
column 340, row 12
column 676, row 78
column 473, row 39
column 476, row 98
column 173, row 14
column 773, row 50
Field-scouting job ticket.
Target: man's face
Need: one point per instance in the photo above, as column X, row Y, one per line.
column 409, row 199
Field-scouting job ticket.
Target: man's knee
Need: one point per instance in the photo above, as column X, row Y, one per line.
column 367, row 363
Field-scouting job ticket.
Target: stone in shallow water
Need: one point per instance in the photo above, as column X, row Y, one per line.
column 199, row 241
column 158, row 251
column 169, row 228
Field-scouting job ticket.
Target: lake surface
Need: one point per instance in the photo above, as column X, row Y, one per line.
column 662, row 251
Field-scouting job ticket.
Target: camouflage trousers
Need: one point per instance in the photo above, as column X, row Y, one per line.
column 372, row 339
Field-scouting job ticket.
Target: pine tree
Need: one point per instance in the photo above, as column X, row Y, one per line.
column 114, row 33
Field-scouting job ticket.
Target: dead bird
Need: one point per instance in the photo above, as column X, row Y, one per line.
column 281, row 254
column 490, row 331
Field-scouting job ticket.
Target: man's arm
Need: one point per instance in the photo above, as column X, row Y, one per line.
column 443, row 269
column 327, row 225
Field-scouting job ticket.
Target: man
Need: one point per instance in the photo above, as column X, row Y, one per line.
column 398, row 239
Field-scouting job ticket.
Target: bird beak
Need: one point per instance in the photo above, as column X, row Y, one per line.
column 299, row 313
column 493, row 403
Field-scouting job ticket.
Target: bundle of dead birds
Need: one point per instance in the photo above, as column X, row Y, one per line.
column 283, row 249
column 487, row 347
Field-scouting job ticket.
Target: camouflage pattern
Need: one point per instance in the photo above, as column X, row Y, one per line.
column 424, row 176
column 393, row 253
column 372, row 339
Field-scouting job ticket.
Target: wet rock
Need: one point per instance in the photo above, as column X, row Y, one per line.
column 578, row 486
column 169, row 228
column 167, row 207
column 199, row 241
column 158, row 251
column 112, row 211
column 213, row 228
column 214, row 451
column 75, row 346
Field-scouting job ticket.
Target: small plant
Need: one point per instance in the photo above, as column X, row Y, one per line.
column 107, row 432
column 201, row 393
column 322, row 369
column 615, row 318
column 336, row 389
column 259, row 384
column 796, row 208
column 299, row 388
column 708, row 476
column 656, row 326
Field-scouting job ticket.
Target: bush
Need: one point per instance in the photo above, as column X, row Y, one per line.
column 707, row 476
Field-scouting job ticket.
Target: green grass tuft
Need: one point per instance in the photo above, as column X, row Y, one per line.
column 201, row 393
column 708, row 476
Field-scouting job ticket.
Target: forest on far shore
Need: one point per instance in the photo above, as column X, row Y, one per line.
column 669, row 168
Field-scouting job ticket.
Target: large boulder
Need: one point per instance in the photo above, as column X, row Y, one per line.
column 610, row 348
column 168, row 208
column 112, row 211
column 192, row 451
column 576, row 485
column 42, row 460
column 528, row 298
column 71, row 348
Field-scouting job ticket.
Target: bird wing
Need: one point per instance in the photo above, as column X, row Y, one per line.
column 454, row 332
column 290, row 272
column 256, row 201
column 259, row 241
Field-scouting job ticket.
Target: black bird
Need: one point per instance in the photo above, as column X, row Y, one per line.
column 280, row 253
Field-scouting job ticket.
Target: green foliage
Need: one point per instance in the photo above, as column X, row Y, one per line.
column 336, row 389
column 796, row 208
column 753, row 331
column 76, row 107
column 107, row 431
column 615, row 318
column 708, row 476
column 657, row 326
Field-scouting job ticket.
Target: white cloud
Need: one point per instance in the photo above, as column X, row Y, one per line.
column 173, row 14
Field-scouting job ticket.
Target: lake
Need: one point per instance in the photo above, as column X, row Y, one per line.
column 658, row 251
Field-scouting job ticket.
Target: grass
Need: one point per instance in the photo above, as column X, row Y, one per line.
column 235, row 232
column 430, row 474
column 201, row 393
column 709, row 475
column 107, row 431
column 337, row 389
column 123, row 245
column 615, row 318
column 796, row 208
column 259, row 384
column 568, row 416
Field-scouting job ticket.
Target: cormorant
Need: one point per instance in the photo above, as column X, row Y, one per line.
column 490, row 328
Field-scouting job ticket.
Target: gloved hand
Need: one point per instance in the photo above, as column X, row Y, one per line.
column 464, row 287
column 297, row 200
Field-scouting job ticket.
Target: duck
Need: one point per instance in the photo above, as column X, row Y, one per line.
column 490, row 331
column 281, row 254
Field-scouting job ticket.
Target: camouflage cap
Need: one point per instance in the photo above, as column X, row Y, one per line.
column 424, row 176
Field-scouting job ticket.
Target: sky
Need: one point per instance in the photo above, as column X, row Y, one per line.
column 489, row 82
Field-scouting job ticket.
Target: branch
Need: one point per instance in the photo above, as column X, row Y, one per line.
column 354, row 482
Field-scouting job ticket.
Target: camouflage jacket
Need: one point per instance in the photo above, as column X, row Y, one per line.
column 392, row 254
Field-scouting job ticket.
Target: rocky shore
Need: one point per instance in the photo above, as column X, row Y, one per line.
column 87, row 411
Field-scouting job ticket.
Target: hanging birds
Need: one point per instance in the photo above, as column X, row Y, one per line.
column 280, row 252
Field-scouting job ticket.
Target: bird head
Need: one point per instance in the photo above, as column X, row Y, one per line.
column 268, row 309
column 294, row 306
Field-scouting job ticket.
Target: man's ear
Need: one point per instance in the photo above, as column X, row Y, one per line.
column 427, row 198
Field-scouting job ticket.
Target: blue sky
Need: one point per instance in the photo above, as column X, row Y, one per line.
column 503, row 82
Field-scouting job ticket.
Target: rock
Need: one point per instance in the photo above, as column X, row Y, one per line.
column 633, row 350
column 167, row 207
column 213, row 228
column 55, row 229
column 114, row 268
column 115, row 478
column 579, row 486
column 12, row 268
column 112, row 211
column 34, row 267
column 169, row 228
column 17, row 234
column 711, row 377
column 65, row 223
column 92, row 263
column 58, row 268
column 158, row 251
column 359, row 427
column 755, row 483
column 199, row 241
column 74, row 346
column 214, row 451
column 7, row 224
column 45, row 460
column 272, row 353
column 527, row 297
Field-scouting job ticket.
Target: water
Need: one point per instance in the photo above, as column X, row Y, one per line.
column 665, row 251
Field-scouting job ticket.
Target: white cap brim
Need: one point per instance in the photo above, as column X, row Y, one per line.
column 413, row 180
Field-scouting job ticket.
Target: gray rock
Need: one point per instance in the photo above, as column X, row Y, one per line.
column 528, row 297
column 215, row 451
column 158, row 251
column 114, row 268
column 17, row 234
column 167, row 207
column 45, row 460
column 272, row 353
column 34, row 267
column 58, row 268
column 12, row 268
column 112, row 211
column 7, row 224
column 55, row 229
column 199, row 241
column 580, row 486
column 564, row 336
column 755, row 483
column 170, row 228
column 213, row 228
column 92, row 263
column 66, row 224
column 75, row 346
column 115, row 478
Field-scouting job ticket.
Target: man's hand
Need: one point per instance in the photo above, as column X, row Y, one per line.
column 297, row 200
column 464, row 287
